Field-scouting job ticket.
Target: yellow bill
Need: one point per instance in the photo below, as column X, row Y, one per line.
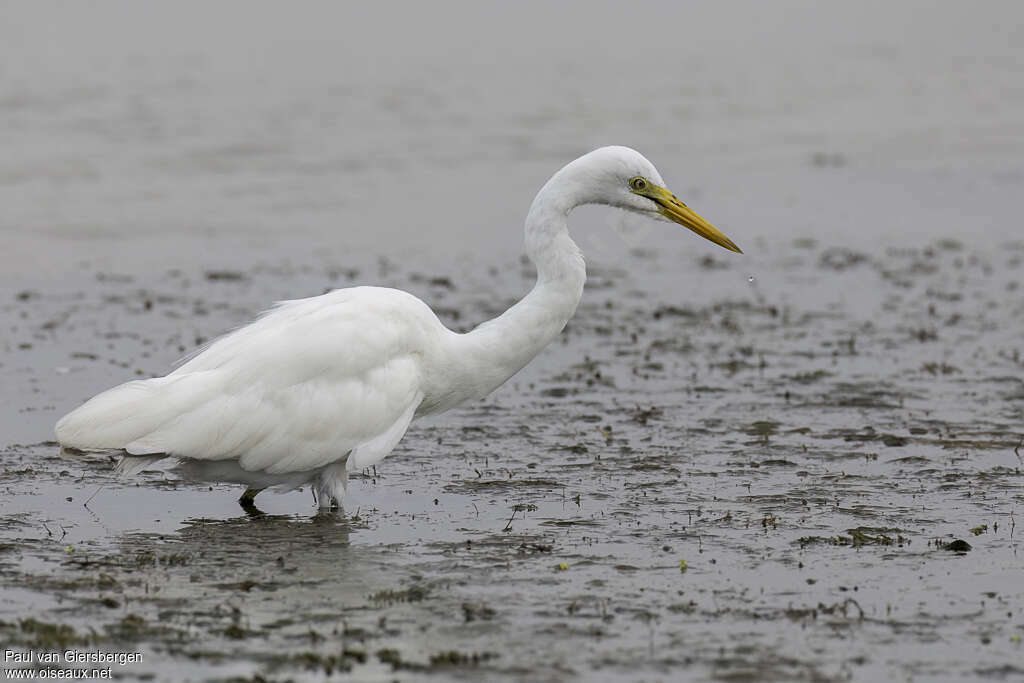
column 677, row 212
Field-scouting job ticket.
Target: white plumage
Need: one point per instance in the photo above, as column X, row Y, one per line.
column 317, row 387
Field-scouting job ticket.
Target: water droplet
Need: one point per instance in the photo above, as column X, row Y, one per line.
column 750, row 279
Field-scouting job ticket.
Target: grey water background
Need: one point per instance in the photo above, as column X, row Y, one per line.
column 166, row 171
column 138, row 137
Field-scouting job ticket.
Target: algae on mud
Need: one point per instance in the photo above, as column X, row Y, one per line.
column 816, row 495
column 859, row 375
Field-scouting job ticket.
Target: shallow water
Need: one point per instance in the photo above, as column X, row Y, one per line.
column 808, row 426
column 810, row 462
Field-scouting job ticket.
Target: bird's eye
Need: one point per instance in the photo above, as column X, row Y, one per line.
column 638, row 184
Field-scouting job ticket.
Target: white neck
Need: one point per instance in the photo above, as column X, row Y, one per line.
column 499, row 348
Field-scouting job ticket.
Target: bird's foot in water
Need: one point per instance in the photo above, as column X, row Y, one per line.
column 248, row 501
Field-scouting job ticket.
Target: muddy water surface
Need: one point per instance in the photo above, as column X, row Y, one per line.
column 799, row 464
column 815, row 475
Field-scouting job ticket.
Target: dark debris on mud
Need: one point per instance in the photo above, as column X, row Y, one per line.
column 816, row 476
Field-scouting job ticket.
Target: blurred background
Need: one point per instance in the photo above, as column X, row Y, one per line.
column 139, row 135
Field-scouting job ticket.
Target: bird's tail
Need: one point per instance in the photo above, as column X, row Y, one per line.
column 124, row 415
column 130, row 465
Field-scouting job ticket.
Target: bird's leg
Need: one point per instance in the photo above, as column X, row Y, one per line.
column 248, row 499
column 329, row 486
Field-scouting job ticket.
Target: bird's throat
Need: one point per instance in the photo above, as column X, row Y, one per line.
column 499, row 348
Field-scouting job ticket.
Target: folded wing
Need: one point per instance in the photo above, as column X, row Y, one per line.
column 299, row 388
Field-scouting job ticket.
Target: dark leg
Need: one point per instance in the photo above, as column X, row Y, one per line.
column 248, row 500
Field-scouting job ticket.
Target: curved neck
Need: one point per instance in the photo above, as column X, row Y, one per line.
column 499, row 348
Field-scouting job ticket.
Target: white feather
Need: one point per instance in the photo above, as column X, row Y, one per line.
column 297, row 389
column 318, row 386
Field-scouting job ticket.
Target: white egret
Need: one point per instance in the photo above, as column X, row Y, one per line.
column 317, row 387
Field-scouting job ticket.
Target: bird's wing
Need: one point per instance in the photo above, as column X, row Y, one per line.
column 297, row 389
column 373, row 451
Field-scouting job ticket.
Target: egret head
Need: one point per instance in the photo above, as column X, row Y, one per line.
column 622, row 177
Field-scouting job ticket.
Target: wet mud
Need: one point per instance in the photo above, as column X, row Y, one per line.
column 805, row 465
